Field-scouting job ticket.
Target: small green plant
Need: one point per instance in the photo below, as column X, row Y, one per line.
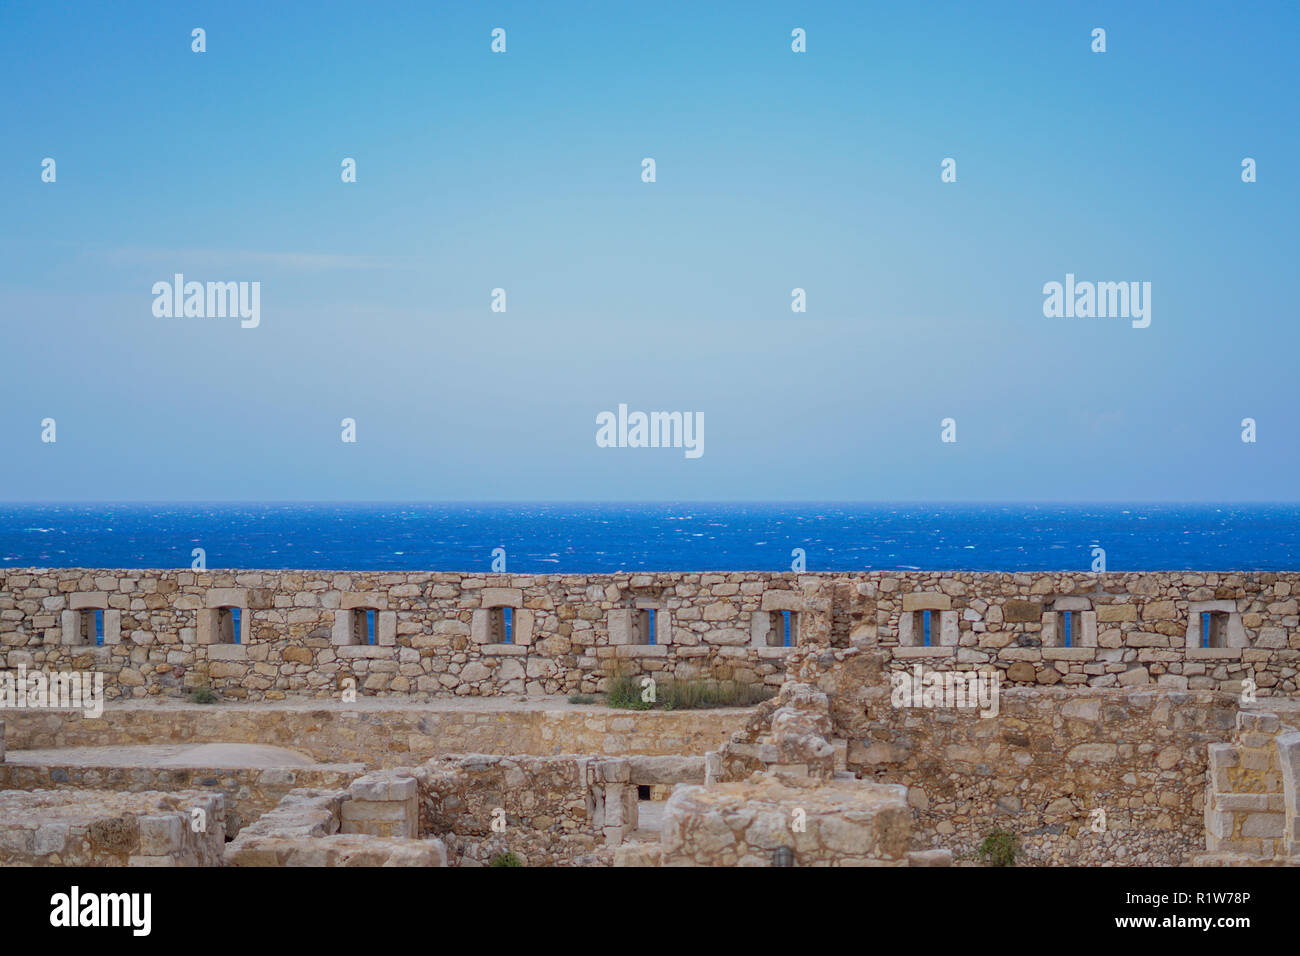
column 999, row 847
column 508, row 858
column 581, row 699
column 204, row 695
column 624, row 692
column 703, row 693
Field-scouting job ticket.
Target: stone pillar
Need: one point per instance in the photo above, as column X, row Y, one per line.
column 2, row 741
column 620, row 817
column 1246, row 808
column 341, row 634
column 1288, row 761
column 383, row 804
column 712, row 767
column 621, row 624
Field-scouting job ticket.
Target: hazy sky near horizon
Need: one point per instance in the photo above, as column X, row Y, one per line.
column 775, row 170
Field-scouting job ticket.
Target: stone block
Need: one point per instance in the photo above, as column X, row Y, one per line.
column 782, row 600
column 948, row 629
column 1022, row 612
column 375, row 600
column 1159, row 611
column 161, row 835
column 88, row 600
column 1072, row 604
column 1263, row 826
column 926, row 601
column 71, row 629
column 502, row 597
column 621, row 623
column 524, row 634
column 341, row 632
column 386, row 628
column 226, row 597
column 1117, row 613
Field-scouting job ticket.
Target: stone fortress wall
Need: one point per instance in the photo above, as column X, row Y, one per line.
column 307, row 633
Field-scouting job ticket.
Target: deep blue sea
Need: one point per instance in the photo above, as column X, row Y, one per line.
column 562, row 537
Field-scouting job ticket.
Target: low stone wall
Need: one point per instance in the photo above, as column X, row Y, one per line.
column 548, row 811
column 248, row 792
column 822, row 823
column 104, row 828
column 370, row 824
column 542, row 809
column 382, row 734
column 306, row 633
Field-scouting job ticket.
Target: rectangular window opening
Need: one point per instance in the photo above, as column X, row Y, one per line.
column 501, row 625
column 646, row 621
column 925, row 625
column 783, row 629
column 365, row 626
column 92, row 627
column 228, row 625
column 1214, row 629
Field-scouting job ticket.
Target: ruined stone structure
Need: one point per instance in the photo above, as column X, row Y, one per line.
column 1252, row 800
column 107, row 828
column 1141, row 718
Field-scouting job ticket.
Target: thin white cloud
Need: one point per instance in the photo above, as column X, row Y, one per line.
column 216, row 258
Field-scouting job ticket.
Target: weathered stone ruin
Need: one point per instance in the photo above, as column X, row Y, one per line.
column 1139, row 719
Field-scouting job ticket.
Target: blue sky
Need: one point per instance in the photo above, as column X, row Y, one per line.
column 775, row 170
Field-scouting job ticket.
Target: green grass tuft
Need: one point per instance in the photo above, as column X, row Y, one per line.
column 999, row 847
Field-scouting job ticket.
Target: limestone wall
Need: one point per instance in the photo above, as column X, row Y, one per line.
column 545, row 810
column 386, row 733
column 822, row 823
column 249, row 792
column 103, row 828
column 372, row 823
column 169, row 632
